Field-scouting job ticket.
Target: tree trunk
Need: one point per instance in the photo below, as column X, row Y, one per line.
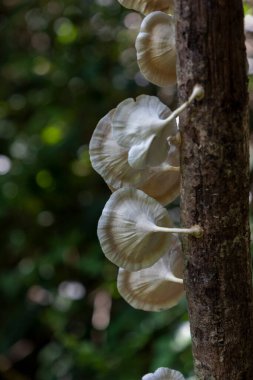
column 215, row 187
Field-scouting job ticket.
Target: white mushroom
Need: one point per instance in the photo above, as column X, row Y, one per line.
column 155, row 288
column 142, row 127
column 174, row 258
column 110, row 160
column 164, row 374
column 248, row 23
column 164, row 182
column 134, row 230
column 156, row 50
column 147, row 6
column 126, row 229
column 248, row 28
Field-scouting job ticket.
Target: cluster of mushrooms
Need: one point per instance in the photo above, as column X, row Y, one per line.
column 135, row 148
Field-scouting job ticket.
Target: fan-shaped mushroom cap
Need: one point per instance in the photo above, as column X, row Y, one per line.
column 248, row 23
column 147, row 6
column 109, row 159
column 155, row 288
column 164, row 374
column 140, row 126
column 248, row 28
column 164, row 184
column 175, row 258
column 127, row 229
column 155, row 46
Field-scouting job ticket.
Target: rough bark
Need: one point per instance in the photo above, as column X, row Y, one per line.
column 215, row 187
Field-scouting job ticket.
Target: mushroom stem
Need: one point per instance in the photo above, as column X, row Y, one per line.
column 196, row 230
column 175, row 140
column 171, row 277
column 170, row 168
column 197, row 93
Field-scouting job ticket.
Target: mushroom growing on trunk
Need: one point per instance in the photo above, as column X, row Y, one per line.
column 143, row 127
column 158, row 287
column 156, row 51
column 147, row 6
column 164, row 374
column 110, row 160
column 134, row 230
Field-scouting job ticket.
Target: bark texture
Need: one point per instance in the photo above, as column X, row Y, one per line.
column 215, row 187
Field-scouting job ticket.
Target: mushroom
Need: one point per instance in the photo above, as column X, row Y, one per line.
column 164, row 182
column 156, row 50
column 248, row 28
column 134, row 230
column 140, row 126
column 147, row 6
column 248, row 23
column 110, row 160
column 155, row 288
column 174, row 259
column 164, row 374
column 144, row 126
